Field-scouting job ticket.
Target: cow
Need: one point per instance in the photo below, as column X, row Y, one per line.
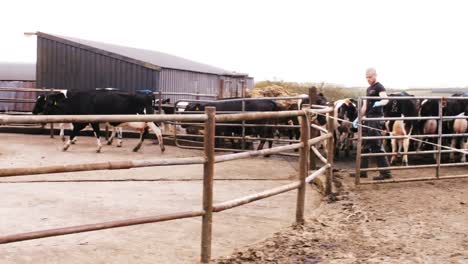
column 256, row 105
column 318, row 119
column 459, row 108
column 38, row 109
column 102, row 103
column 428, row 108
column 400, row 108
column 346, row 112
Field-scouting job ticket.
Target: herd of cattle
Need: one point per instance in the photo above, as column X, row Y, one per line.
column 110, row 102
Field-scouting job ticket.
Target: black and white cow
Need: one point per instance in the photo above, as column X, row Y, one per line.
column 236, row 106
column 346, row 112
column 320, row 120
column 39, row 106
column 102, row 103
column 400, row 108
column 459, row 108
column 428, row 108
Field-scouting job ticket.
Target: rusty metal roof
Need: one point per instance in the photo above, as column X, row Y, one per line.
column 12, row 71
column 148, row 58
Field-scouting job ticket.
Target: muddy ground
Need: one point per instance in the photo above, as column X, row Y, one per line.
column 419, row 222
column 416, row 222
column 29, row 206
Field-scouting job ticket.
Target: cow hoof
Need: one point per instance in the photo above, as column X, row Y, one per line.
column 63, row 139
column 163, row 149
column 119, row 145
column 98, row 150
column 109, row 142
column 65, row 148
column 135, row 149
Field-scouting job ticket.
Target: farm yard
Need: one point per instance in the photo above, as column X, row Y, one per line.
column 101, row 196
column 361, row 224
column 417, row 222
column 216, row 168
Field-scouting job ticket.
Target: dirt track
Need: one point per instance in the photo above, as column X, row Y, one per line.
column 27, row 206
column 420, row 222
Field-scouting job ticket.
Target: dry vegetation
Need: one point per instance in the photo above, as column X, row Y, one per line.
column 333, row 92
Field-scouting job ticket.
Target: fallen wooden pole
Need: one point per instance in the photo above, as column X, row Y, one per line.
column 98, row 226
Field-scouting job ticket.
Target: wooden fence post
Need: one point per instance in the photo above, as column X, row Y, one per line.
column 51, row 130
column 313, row 132
column 160, row 102
column 330, row 152
column 208, row 172
column 303, row 168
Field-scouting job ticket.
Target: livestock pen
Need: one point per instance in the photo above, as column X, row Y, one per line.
column 208, row 160
column 440, row 148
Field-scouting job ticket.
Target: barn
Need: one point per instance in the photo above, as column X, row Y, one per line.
column 72, row 63
column 16, row 75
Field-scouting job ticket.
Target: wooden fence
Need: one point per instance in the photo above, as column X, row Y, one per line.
column 209, row 118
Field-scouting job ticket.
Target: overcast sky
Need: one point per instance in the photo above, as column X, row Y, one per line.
column 411, row 43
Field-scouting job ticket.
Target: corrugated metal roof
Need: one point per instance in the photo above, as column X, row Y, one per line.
column 10, row 71
column 155, row 58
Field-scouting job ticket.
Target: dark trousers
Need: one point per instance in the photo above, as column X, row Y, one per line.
column 374, row 145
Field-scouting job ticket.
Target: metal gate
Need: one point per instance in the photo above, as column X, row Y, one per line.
column 440, row 148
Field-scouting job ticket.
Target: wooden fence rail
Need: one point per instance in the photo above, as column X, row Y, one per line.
column 208, row 161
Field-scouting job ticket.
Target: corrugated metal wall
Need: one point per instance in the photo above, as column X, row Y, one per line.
column 192, row 82
column 64, row 66
column 17, row 107
column 188, row 82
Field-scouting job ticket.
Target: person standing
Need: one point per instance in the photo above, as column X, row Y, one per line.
column 373, row 108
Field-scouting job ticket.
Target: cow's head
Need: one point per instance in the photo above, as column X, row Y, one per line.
column 39, row 105
column 321, row 100
column 195, row 106
column 54, row 104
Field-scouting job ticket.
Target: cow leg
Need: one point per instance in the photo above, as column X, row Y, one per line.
column 119, row 137
column 97, row 133
column 260, row 145
column 143, row 134
column 62, row 132
column 71, row 129
column 406, row 143
column 111, row 138
column 158, row 133
column 349, row 143
column 394, row 149
column 76, row 130
column 453, row 145
column 464, row 146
